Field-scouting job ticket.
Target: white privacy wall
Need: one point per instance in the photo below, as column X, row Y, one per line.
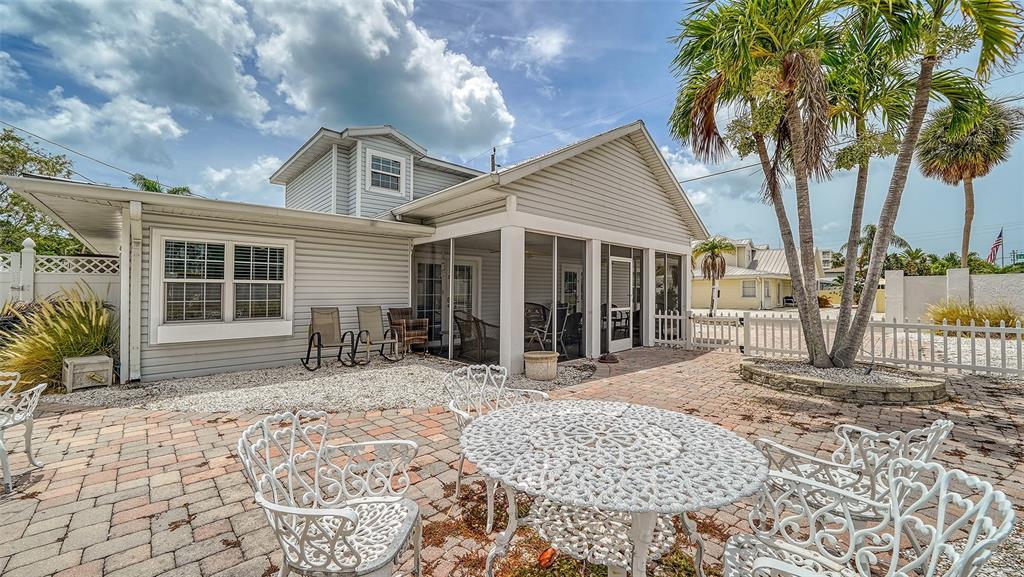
column 908, row 298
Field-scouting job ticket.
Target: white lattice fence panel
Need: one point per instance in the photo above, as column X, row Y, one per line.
column 77, row 264
column 5, row 262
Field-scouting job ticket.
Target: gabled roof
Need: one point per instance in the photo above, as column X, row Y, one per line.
column 323, row 139
column 435, row 203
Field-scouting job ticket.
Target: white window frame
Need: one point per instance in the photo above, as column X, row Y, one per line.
column 768, row 288
column 161, row 332
column 753, row 290
column 403, row 166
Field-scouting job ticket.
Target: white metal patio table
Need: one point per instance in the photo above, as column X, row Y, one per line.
column 634, row 463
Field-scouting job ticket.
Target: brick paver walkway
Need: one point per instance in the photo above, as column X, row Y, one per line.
column 137, row 493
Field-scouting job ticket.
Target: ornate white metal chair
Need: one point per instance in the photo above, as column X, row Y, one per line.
column 861, row 463
column 336, row 510
column 8, row 381
column 17, row 409
column 477, row 390
column 794, row 534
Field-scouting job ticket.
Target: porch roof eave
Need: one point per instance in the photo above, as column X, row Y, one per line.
column 92, row 213
column 473, row 192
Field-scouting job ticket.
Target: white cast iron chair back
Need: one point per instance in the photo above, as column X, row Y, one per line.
column 805, row 528
column 475, row 391
column 335, row 509
column 18, row 409
column 861, row 464
column 8, row 381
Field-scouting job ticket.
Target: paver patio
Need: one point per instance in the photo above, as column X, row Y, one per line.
column 130, row 492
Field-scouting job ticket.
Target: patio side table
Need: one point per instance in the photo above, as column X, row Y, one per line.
column 634, row 465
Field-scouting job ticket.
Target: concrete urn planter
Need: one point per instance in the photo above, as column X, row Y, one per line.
column 541, row 365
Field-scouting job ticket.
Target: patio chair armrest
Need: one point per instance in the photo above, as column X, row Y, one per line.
column 347, row 513
column 462, row 418
column 532, row 395
column 788, row 460
column 22, row 403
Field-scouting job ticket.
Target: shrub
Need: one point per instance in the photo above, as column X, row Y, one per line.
column 952, row 310
column 824, row 301
column 74, row 324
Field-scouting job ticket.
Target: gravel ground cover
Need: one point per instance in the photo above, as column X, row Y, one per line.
column 857, row 374
column 412, row 382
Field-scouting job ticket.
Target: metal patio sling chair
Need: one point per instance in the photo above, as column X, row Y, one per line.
column 325, row 332
column 478, row 340
column 373, row 334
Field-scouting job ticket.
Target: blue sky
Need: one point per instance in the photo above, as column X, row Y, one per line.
column 216, row 95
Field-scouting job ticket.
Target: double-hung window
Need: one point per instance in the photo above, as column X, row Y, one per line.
column 749, row 289
column 214, row 286
column 386, row 173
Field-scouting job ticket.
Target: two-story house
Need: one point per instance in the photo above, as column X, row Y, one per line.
column 571, row 250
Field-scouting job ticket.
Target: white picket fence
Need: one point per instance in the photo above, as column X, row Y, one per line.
column 985, row 349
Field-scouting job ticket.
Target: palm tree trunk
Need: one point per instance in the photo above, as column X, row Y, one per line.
column 814, row 335
column 845, row 352
column 788, row 243
column 852, row 242
column 714, row 291
column 965, row 244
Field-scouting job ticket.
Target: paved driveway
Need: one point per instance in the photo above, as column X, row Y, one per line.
column 132, row 492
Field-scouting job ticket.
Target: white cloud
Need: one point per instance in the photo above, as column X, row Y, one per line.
column 180, row 54
column 11, row 72
column 369, row 63
column 733, row 185
column 120, row 128
column 247, row 183
column 532, row 53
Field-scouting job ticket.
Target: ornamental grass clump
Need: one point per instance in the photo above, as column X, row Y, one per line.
column 75, row 323
column 952, row 310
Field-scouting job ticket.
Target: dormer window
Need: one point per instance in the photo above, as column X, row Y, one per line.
column 386, row 173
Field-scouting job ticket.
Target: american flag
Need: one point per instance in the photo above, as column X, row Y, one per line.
column 998, row 244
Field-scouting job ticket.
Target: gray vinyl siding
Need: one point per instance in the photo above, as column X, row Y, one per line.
column 373, row 202
column 311, row 190
column 331, row 269
column 427, row 180
column 342, row 179
column 611, row 187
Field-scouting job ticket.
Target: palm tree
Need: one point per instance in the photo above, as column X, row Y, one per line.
column 763, row 56
column 150, row 185
column 711, row 253
column 868, row 80
column 915, row 262
column 866, row 243
column 927, row 23
column 952, row 158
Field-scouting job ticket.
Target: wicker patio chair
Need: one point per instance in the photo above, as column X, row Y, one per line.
column 860, row 465
column 325, row 332
column 958, row 521
column 18, row 409
column 475, row 391
column 335, row 509
column 373, row 334
column 411, row 330
column 478, row 341
column 536, row 323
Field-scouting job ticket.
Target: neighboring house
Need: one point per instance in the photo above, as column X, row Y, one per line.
column 599, row 231
column 756, row 278
column 829, row 273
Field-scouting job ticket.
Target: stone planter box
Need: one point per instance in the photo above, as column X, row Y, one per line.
column 541, row 365
column 924, row 390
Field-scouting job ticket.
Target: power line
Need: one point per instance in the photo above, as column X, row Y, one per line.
column 82, row 154
column 568, row 128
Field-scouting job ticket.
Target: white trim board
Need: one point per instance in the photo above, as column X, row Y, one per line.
column 547, row 225
column 161, row 333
